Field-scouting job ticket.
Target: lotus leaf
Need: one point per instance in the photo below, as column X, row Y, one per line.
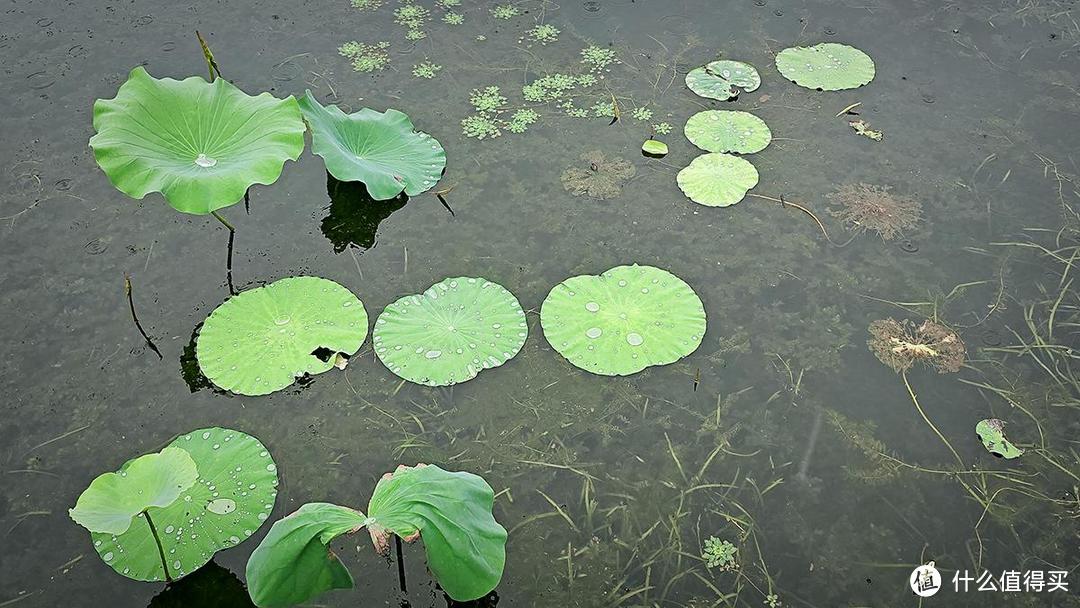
column 200, row 144
column 229, row 500
column 717, row 180
column 728, row 131
column 624, row 320
column 654, row 148
column 723, row 79
column 826, row 67
column 380, row 149
column 451, row 511
column 449, row 333
column 262, row 340
column 991, row 432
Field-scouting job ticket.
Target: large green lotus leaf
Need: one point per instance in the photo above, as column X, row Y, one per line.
column 380, row 149
column 449, row 333
column 826, row 67
column 465, row 546
column 201, row 145
column 728, row 131
column 991, row 432
column 717, row 180
column 723, row 79
column 624, row 320
column 294, row 563
column 231, row 498
column 151, row 480
column 262, row 340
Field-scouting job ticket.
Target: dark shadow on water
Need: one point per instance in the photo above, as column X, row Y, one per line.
column 490, row 600
column 208, row 587
column 354, row 216
column 189, row 367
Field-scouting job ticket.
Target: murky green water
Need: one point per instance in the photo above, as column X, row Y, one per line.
column 748, row 439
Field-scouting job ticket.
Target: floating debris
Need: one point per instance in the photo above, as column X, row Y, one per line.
column 600, row 178
column 991, row 432
column 899, row 345
column 863, row 128
column 654, row 148
column 868, row 207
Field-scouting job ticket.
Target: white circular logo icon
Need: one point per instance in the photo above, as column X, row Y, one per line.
column 925, row 580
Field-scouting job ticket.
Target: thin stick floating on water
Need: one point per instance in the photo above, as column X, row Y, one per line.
column 135, row 317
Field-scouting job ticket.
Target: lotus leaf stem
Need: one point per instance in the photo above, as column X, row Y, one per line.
column 135, row 317
column 161, row 550
column 786, row 203
column 400, row 564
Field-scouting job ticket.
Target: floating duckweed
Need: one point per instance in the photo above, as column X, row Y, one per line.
column 367, row 5
column 448, row 4
column 598, row 59
column 415, row 34
column 479, row 127
column 412, row 16
column 521, row 119
column 603, row 109
column 453, row 18
column 426, row 69
column 366, row 57
column 544, row 33
column 489, row 99
column 643, row 114
column 662, row 128
column 505, row 11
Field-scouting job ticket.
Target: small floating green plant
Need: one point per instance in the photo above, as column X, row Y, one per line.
column 426, row 69
column 366, row 57
column 598, row 59
column 544, row 33
column 505, row 11
column 719, row 554
column 450, row 512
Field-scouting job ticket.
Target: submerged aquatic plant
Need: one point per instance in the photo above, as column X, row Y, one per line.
column 597, row 58
column 264, row 339
column 599, row 177
column 451, row 332
column 505, row 11
column 624, row 320
column 826, row 67
column 868, row 207
column 899, row 345
column 164, row 515
column 719, row 554
column 366, row 57
column 450, row 512
column 544, row 33
column 426, row 69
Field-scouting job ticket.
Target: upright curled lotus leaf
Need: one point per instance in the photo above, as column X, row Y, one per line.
column 991, row 432
column 380, row 149
column 200, row 144
column 728, row 131
column 449, row 333
column 229, row 485
column 624, row 320
column 449, row 511
column 723, row 79
column 262, row 340
column 717, row 180
column 826, row 67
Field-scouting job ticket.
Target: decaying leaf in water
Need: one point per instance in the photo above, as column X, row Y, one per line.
column 863, row 128
column 867, row 207
column 899, row 345
column 598, row 176
column 991, row 432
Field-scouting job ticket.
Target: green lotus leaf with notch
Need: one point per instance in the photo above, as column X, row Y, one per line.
column 448, row 334
column 263, row 339
column 624, row 320
column 380, row 149
column 991, row 432
column 654, row 148
column 723, row 79
column 728, row 131
column 200, row 144
column 229, row 499
column 826, row 67
column 451, row 511
column 717, row 180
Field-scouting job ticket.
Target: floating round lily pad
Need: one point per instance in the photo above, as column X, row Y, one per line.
column 262, row 340
column 449, row 333
column 229, row 500
column 723, row 79
column 991, row 432
column 826, row 67
column 624, row 320
column 728, row 131
column 380, row 149
column 717, row 180
column 201, row 144
column 654, row 148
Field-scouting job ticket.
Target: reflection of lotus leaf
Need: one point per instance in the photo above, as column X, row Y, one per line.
column 380, row 149
column 717, row 180
column 232, row 496
column 354, row 216
column 200, row 144
column 991, row 432
column 210, row 587
column 723, row 79
column 262, row 340
column 826, row 67
column 624, row 320
column 599, row 177
column 449, row 333
column 728, row 131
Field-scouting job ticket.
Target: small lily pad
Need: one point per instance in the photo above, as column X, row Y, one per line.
column 991, row 432
column 380, row 149
column 717, row 180
column 231, row 496
column 723, row 79
column 262, row 340
column 826, row 67
column 624, row 320
column 449, row 333
column 728, row 131
column 654, row 148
